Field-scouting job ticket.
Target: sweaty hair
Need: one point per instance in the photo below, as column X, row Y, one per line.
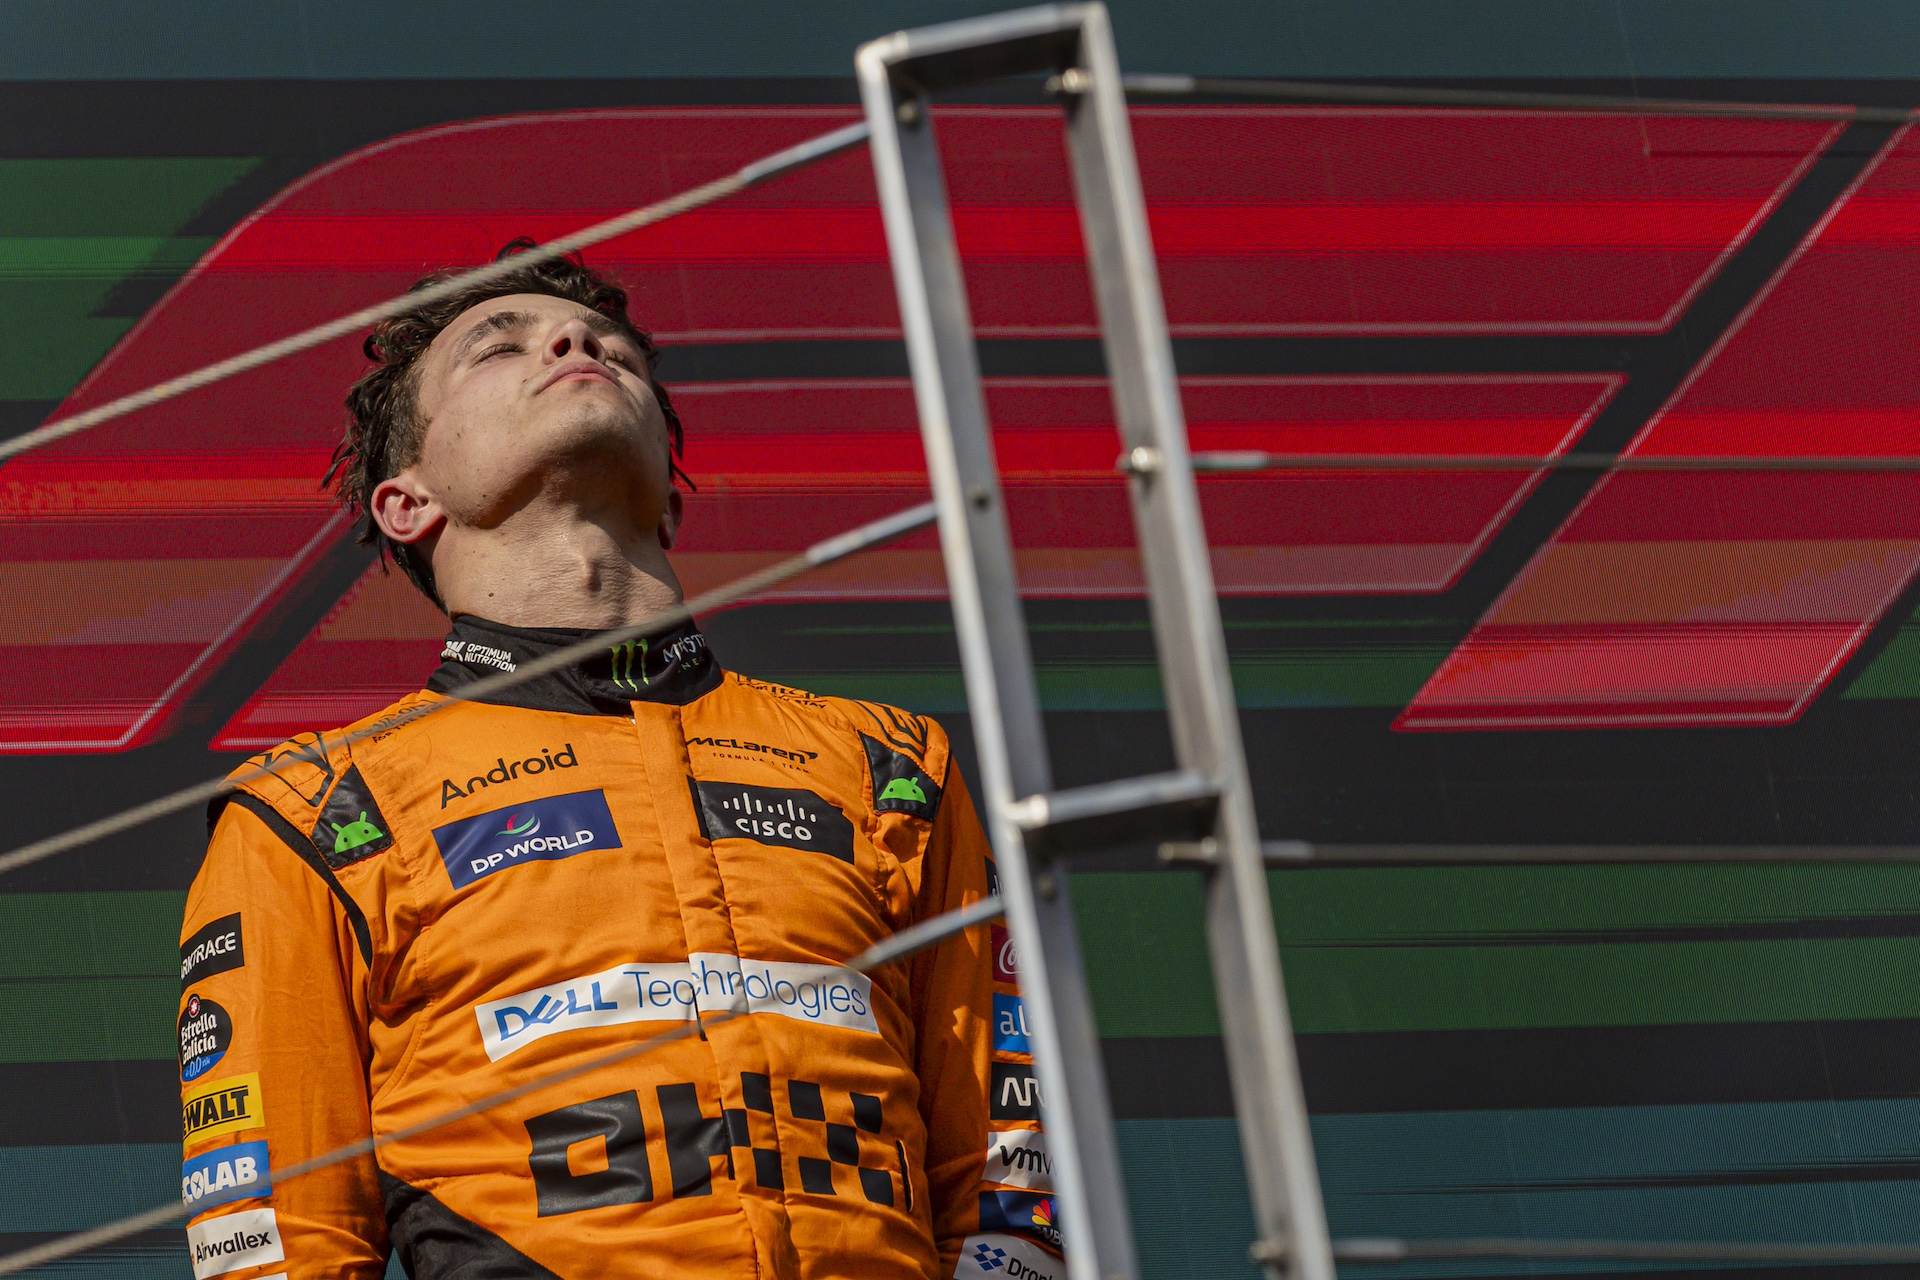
column 385, row 431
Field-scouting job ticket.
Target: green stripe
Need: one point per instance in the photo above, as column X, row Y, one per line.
column 150, row 197
column 1149, row 975
column 105, row 935
column 1896, row 672
column 70, row 231
column 90, row 1019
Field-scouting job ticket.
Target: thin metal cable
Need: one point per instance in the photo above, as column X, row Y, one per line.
column 1394, row 1250
column 1256, row 460
column 794, row 157
column 1311, row 91
column 820, row 553
column 904, row 943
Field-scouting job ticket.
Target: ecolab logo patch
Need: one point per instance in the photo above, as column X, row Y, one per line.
column 224, row 1175
column 1007, row 1258
column 825, row 995
column 235, row 1241
column 1018, row 1158
column 226, row 1105
column 545, row 830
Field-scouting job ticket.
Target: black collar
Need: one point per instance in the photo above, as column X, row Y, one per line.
column 673, row 668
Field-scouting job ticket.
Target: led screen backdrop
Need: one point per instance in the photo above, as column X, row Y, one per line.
column 1498, row 656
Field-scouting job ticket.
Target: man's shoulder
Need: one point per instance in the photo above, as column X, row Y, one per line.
column 312, row 782
column 896, row 742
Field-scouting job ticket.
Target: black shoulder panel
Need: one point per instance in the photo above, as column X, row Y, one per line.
column 899, row 784
column 435, row 1243
column 303, row 849
column 351, row 826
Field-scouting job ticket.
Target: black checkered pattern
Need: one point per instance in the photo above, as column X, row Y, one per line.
column 806, row 1101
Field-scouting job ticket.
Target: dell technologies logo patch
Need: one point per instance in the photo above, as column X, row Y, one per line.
column 544, row 830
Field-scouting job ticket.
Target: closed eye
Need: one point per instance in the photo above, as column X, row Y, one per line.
column 501, row 348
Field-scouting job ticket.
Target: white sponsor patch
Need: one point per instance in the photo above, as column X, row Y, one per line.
column 823, row 994
column 639, row 992
column 1007, row 1258
column 644, row 992
column 233, row 1241
column 1018, row 1158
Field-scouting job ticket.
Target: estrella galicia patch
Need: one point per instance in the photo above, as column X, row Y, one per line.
column 351, row 826
column 900, row 785
column 214, row 949
column 544, row 830
column 206, row 1032
column 788, row 817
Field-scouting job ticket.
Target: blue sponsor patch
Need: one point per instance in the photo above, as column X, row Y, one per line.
column 537, row 831
column 1010, row 1024
column 224, row 1175
column 1020, row 1213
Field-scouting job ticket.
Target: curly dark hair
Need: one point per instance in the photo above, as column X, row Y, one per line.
column 384, row 431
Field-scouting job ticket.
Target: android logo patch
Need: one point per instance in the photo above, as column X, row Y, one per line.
column 351, row 826
column 355, row 834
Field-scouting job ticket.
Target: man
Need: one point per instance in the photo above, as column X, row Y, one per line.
column 514, row 887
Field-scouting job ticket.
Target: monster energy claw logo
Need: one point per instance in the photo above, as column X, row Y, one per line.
column 623, row 660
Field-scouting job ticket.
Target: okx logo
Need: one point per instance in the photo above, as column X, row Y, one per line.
column 539, row 831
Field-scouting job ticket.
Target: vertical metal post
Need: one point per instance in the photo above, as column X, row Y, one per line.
column 1255, row 1024
column 996, row 663
column 1027, row 821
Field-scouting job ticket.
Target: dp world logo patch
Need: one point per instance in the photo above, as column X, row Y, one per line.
column 543, row 830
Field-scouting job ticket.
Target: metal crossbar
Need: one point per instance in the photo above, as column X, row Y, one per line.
column 1383, row 95
column 1033, row 827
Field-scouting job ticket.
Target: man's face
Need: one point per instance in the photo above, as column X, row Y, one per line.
column 530, row 391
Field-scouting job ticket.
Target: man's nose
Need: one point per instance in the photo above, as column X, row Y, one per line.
column 573, row 337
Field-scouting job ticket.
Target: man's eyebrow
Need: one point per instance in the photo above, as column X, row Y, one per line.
column 498, row 322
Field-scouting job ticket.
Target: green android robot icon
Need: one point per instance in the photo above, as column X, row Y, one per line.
column 904, row 789
column 355, row 834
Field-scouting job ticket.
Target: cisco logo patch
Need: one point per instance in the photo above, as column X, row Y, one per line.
column 782, row 816
column 544, row 830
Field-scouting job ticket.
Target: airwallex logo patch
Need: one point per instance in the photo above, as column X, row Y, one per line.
column 544, row 830
column 822, row 994
column 234, row 1242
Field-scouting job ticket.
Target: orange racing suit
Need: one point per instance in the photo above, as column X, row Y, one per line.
column 384, row 931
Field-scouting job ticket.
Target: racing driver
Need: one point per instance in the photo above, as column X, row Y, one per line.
column 386, row 930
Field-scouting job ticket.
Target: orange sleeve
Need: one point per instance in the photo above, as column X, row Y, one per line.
column 274, row 1056
column 953, row 993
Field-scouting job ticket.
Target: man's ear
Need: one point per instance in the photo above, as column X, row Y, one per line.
column 404, row 509
column 670, row 519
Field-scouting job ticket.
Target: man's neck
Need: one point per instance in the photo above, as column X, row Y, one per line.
column 555, row 568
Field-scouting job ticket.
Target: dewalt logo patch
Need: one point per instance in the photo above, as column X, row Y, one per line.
column 222, row 1106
